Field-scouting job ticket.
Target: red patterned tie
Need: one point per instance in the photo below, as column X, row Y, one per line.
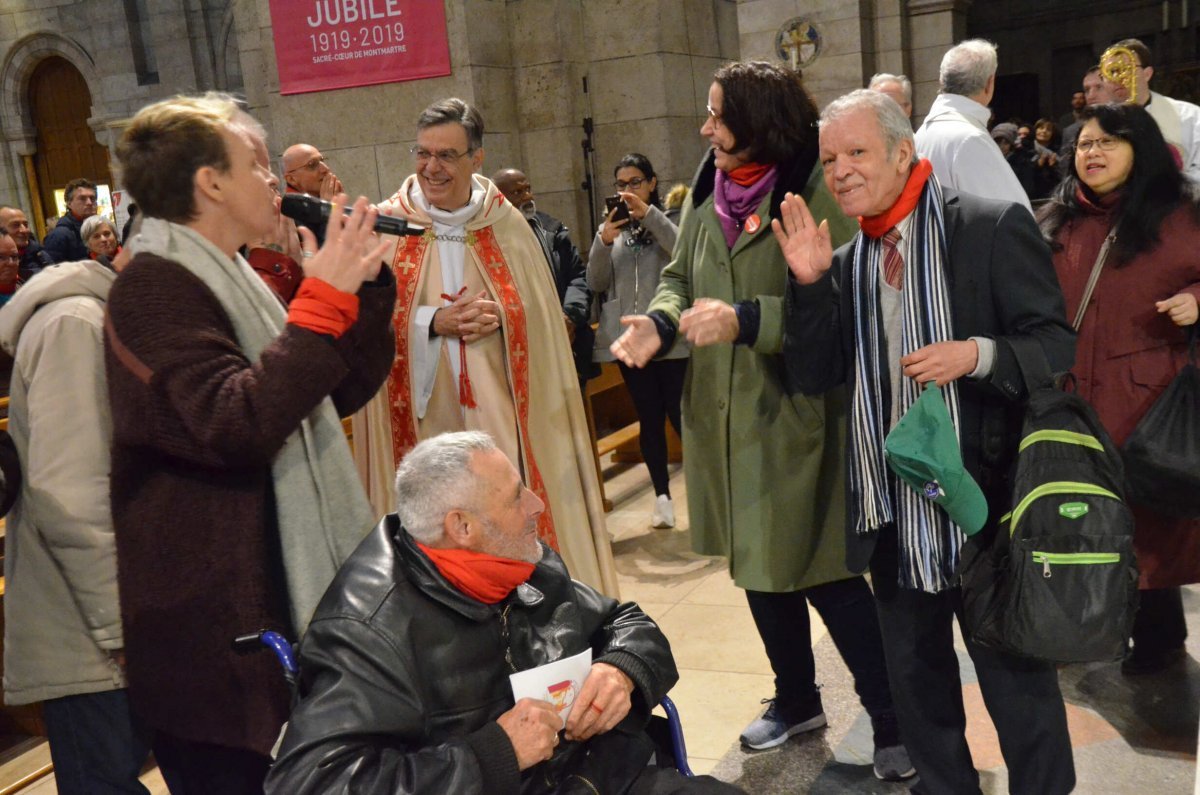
column 893, row 264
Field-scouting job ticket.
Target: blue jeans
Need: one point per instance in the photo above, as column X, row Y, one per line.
column 97, row 745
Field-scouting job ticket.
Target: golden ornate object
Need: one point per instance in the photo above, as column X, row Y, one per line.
column 1119, row 65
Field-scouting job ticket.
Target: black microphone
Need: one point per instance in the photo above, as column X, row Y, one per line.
column 314, row 213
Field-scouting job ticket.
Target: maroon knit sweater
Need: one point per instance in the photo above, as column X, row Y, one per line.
column 195, row 428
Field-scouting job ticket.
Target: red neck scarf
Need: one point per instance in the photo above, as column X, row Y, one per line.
column 748, row 173
column 878, row 225
column 485, row 578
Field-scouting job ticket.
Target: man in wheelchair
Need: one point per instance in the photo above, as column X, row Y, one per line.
column 404, row 672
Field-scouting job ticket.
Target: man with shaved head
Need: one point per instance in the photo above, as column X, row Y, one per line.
column 566, row 266
column 306, row 171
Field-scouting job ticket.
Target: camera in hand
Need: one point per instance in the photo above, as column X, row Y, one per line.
column 616, row 202
column 314, row 213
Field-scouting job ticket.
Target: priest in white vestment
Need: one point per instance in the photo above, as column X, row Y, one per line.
column 480, row 344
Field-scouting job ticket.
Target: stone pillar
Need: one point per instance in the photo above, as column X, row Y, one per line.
column 934, row 26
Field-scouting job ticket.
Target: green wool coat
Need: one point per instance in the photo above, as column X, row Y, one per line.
column 764, row 469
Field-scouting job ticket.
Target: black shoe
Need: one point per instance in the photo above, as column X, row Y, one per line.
column 1138, row 663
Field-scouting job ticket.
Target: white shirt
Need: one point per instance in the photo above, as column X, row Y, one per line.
column 954, row 137
column 1179, row 123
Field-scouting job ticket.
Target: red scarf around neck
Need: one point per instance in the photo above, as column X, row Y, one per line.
column 483, row 577
column 878, row 225
column 748, row 173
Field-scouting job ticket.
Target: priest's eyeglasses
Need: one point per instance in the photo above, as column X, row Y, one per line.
column 447, row 157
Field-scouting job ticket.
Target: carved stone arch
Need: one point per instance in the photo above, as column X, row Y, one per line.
column 18, row 67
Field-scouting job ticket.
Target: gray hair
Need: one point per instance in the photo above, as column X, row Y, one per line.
column 903, row 81
column 892, row 122
column 454, row 110
column 967, row 66
column 436, row 478
column 92, row 224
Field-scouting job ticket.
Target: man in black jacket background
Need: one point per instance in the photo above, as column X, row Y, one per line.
column 404, row 684
column 566, row 266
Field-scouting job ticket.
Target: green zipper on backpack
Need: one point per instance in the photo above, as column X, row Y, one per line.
column 1065, row 437
column 1073, row 559
column 1057, row 487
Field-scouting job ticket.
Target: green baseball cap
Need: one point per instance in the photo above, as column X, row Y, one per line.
column 923, row 451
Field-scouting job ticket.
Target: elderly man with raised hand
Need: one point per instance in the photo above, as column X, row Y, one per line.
column 954, row 136
column 234, row 494
column 480, row 343
column 404, row 672
column 937, row 286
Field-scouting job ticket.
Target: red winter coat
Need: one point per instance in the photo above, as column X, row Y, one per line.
column 1127, row 353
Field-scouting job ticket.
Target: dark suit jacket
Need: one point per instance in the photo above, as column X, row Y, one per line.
column 1002, row 285
column 570, row 279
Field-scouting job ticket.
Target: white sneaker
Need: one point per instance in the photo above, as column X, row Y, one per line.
column 664, row 512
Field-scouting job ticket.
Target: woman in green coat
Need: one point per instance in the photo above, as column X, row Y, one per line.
column 764, row 468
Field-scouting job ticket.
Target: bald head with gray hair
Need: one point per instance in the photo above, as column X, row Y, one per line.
column 436, row 478
column 893, row 124
column 967, row 67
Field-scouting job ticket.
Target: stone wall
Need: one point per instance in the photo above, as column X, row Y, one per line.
column 523, row 63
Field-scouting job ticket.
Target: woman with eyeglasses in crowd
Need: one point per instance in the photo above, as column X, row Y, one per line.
column 627, row 257
column 764, row 467
column 1132, row 340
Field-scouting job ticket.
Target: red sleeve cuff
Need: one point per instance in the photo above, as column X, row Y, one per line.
column 322, row 308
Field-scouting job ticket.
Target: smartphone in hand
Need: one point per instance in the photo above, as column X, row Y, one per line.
column 622, row 209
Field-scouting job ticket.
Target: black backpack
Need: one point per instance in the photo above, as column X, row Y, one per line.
column 1055, row 579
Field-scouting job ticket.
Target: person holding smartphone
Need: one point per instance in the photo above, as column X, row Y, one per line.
column 628, row 254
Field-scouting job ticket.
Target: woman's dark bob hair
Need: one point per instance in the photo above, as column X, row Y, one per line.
column 767, row 109
column 1153, row 189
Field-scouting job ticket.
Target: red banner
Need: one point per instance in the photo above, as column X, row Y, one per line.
column 326, row 44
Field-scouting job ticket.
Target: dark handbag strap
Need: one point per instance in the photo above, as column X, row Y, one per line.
column 1094, row 277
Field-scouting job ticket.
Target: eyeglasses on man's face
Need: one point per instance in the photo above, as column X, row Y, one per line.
column 312, row 165
column 1104, row 144
column 632, row 184
column 10, row 257
column 447, row 157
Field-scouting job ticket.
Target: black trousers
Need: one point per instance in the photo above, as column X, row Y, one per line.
column 195, row 768
column 1022, row 696
column 657, row 390
column 1160, row 625
column 848, row 610
column 98, row 747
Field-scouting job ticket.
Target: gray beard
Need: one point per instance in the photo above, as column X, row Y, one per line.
column 528, row 209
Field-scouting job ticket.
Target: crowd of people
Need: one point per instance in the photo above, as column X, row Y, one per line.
column 179, row 387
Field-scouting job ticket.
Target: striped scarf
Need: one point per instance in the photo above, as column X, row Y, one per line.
column 929, row 541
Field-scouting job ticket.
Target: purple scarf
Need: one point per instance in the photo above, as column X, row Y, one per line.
column 734, row 202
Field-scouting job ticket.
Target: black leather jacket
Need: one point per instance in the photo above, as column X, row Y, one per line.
column 403, row 677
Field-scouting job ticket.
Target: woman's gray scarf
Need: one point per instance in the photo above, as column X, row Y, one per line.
column 322, row 509
column 929, row 541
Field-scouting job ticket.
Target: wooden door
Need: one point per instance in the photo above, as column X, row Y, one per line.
column 66, row 148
